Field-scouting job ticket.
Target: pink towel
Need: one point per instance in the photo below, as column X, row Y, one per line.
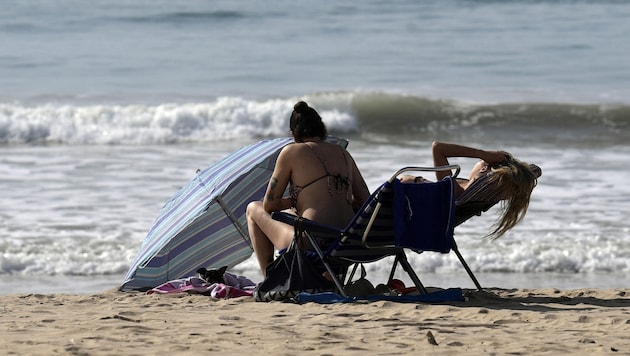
column 198, row 285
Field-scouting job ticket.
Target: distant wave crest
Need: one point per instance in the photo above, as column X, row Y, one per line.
column 187, row 16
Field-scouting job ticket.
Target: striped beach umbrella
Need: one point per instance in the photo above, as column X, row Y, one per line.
column 204, row 224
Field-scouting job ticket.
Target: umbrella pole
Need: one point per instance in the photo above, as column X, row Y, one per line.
column 234, row 220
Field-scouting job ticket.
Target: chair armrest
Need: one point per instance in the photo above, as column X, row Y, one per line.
column 451, row 167
column 305, row 224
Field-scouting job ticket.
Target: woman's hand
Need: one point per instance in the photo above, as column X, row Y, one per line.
column 411, row 179
column 407, row 178
column 494, row 158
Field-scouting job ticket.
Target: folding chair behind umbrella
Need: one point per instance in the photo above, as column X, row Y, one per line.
column 387, row 223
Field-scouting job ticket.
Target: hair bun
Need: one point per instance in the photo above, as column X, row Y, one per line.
column 301, row 107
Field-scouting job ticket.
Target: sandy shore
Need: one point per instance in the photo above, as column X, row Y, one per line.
column 496, row 321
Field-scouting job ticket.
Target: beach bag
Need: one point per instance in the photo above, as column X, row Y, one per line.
column 360, row 287
column 293, row 272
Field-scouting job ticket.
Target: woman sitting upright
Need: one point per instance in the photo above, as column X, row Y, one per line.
column 324, row 183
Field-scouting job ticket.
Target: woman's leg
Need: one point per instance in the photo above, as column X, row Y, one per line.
column 266, row 234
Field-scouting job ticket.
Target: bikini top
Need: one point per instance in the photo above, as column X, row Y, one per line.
column 340, row 182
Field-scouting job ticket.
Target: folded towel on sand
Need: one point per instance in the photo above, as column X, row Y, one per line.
column 198, row 285
column 447, row 295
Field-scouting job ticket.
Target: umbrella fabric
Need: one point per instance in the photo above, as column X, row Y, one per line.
column 204, row 224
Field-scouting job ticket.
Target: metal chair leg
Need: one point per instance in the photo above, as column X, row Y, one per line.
column 468, row 270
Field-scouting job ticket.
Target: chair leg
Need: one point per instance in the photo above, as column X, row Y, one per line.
column 401, row 258
column 391, row 273
column 468, row 270
column 329, row 268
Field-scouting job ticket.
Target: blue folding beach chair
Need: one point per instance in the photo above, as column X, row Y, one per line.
column 397, row 216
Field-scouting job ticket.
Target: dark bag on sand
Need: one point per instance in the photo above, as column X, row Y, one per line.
column 361, row 287
column 293, row 272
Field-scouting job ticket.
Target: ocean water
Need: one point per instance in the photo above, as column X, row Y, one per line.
column 107, row 108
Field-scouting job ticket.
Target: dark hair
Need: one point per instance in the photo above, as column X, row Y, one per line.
column 306, row 122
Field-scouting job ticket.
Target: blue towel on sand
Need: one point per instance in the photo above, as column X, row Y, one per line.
column 447, row 295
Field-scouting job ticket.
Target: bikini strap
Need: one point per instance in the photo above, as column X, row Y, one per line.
column 341, row 182
column 319, row 158
column 327, row 175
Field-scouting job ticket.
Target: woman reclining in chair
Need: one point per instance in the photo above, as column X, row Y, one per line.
column 324, row 182
column 513, row 180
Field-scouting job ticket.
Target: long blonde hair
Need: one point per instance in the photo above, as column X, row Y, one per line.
column 514, row 181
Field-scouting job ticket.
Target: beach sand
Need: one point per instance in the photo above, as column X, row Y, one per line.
column 495, row 321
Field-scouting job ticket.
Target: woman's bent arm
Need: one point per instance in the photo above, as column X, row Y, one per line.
column 278, row 184
column 442, row 151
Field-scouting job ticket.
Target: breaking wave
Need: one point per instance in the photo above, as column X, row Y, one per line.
column 370, row 115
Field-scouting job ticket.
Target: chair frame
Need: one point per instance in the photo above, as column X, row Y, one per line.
column 371, row 253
